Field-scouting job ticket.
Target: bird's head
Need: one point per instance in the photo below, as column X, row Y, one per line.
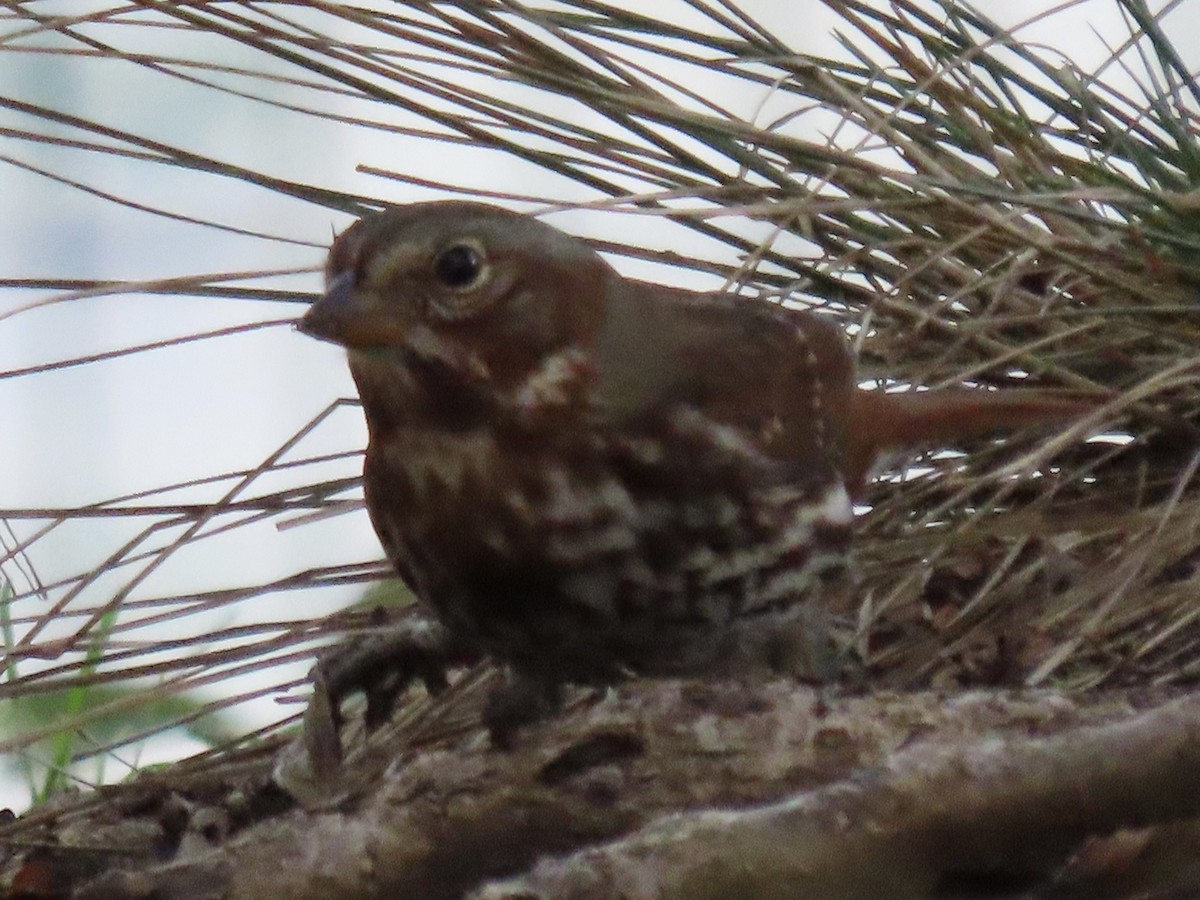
column 459, row 287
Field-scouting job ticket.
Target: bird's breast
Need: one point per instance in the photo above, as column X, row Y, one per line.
column 605, row 552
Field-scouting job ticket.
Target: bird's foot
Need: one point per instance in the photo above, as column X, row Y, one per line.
column 382, row 666
column 519, row 701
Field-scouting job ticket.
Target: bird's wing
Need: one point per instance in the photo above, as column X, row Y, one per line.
column 780, row 378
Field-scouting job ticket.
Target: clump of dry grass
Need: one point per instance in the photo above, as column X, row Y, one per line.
column 973, row 207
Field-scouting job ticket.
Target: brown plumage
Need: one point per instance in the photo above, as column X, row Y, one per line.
column 583, row 475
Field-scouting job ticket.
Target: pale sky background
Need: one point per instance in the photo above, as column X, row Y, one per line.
column 89, row 433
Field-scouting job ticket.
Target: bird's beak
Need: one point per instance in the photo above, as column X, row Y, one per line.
column 327, row 318
column 351, row 317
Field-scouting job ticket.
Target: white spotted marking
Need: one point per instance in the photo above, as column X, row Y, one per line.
column 816, row 396
column 554, row 383
column 836, row 507
column 590, row 520
column 691, row 422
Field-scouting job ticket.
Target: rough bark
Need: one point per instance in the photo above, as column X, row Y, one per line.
column 673, row 789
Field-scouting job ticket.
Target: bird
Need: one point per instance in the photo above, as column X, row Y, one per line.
column 586, row 477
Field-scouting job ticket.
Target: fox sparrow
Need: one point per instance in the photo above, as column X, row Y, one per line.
column 584, row 476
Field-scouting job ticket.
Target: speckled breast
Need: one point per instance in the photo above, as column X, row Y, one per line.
column 669, row 549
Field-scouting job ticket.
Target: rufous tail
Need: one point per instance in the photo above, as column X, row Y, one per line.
column 880, row 422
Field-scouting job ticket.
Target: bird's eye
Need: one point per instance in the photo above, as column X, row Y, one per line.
column 460, row 267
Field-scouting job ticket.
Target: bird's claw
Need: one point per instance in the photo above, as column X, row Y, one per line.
column 382, row 666
column 520, row 701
